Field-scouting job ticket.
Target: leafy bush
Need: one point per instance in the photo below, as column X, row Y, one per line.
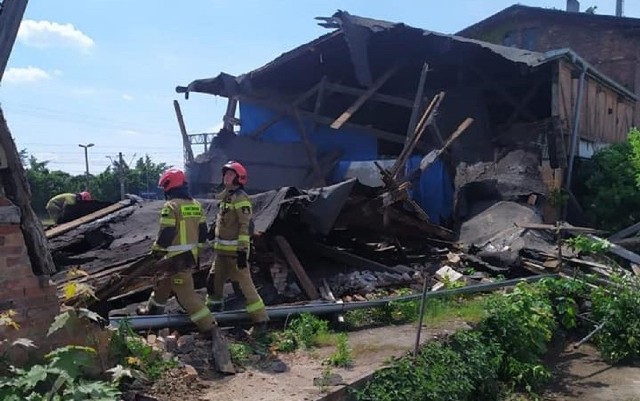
column 583, row 244
column 59, row 379
column 306, row 331
column 342, row 357
column 619, row 339
column 607, row 185
column 564, row 295
column 133, row 352
column 240, row 353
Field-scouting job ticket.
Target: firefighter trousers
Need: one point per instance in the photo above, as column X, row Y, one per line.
column 226, row 267
column 181, row 284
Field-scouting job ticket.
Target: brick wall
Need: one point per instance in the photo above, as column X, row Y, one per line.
column 609, row 48
column 33, row 298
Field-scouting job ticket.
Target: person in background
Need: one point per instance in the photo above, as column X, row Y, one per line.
column 55, row 206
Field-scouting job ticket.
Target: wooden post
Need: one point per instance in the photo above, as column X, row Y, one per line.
column 295, row 264
column 310, row 153
column 228, row 118
column 14, row 183
column 344, row 117
column 188, row 152
column 299, row 100
column 417, row 102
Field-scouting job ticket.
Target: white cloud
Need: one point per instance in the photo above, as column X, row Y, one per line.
column 127, row 97
column 52, row 34
column 130, row 132
column 19, row 75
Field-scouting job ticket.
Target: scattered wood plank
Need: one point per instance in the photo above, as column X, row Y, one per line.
column 636, row 269
column 344, row 117
column 563, row 227
column 295, row 264
column 633, row 229
column 63, row 228
column 417, row 102
column 351, row 259
column 619, row 251
column 186, row 143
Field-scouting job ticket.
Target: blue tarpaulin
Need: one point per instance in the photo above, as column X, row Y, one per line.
column 433, row 191
column 355, row 144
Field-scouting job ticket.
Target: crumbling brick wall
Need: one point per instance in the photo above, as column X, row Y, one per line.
column 32, row 297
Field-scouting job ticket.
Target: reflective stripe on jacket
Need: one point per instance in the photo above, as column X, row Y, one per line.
column 186, row 216
column 232, row 222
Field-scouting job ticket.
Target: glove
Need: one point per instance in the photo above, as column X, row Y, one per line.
column 242, row 259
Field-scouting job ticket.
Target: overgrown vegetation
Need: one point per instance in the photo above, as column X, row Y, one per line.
column 342, row 357
column 607, row 184
column 63, row 375
column 504, row 353
column 132, row 352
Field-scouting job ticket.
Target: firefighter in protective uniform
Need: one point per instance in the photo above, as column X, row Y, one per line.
column 231, row 238
column 183, row 228
column 56, row 205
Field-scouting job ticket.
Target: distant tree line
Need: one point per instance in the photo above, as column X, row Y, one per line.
column 140, row 179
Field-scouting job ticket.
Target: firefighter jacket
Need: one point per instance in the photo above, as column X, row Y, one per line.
column 232, row 222
column 58, row 202
column 183, row 228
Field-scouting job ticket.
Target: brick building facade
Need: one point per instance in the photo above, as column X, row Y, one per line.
column 611, row 44
column 32, row 297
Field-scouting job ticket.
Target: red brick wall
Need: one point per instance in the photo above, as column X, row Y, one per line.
column 607, row 47
column 33, row 298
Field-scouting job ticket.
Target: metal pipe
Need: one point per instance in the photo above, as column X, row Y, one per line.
column 178, row 320
column 574, row 134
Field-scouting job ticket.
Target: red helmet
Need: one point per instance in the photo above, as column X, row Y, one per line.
column 239, row 169
column 171, row 178
column 85, row 195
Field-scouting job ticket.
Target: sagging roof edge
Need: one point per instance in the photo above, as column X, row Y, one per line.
column 516, row 55
column 593, row 72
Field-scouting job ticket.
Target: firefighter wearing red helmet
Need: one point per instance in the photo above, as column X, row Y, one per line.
column 232, row 244
column 183, row 229
column 56, row 205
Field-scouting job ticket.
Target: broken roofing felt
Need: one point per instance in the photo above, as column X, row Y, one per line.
column 354, row 39
column 353, row 34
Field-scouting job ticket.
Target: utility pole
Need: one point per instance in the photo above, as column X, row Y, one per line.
column 121, row 174
column 86, row 163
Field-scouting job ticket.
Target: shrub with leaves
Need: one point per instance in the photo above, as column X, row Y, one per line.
column 61, row 378
column 342, row 357
column 134, row 353
column 565, row 294
column 523, row 323
column 619, row 338
column 582, row 244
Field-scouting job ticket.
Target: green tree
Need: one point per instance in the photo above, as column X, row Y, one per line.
column 610, row 192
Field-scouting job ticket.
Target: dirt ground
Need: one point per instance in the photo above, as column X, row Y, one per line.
column 581, row 374
column 578, row 374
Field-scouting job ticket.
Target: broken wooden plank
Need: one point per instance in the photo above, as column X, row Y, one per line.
column 295, row 264
column 636, row 269
column 313, row 159
column 633, row 229
column 351, row 259
column 563, row 227
column 344, row 117
column 332, row 298
column 296, row 102
column 63, row 228
column 618, row 250
column 186, row 143
column 378, row 97
column 417, row 102
column 426, row 119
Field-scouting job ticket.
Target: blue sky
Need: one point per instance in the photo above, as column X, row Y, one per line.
column 104, row 71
